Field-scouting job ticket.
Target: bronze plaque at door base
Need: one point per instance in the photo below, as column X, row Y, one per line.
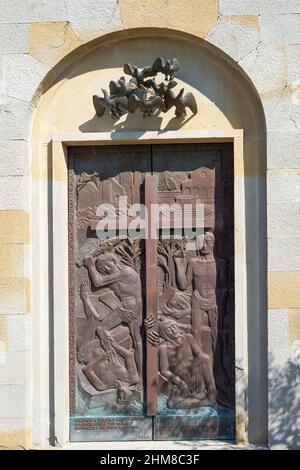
column 151, row 320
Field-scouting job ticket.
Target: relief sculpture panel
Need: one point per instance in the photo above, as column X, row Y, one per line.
column 194, row 328
column 189, row 372
column 123, row 296
column 107, row 299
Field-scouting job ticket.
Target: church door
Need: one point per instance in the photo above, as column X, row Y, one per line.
column 151, row 292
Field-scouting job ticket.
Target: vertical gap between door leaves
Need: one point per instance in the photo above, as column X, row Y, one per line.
column 153, row 417
column 151, row 152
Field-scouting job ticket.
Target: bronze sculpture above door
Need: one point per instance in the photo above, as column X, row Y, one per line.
column 144, row 93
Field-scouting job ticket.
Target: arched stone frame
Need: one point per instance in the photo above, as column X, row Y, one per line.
column 227, row 101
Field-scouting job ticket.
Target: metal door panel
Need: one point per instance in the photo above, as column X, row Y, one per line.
column 106, row 298
column 196, row 297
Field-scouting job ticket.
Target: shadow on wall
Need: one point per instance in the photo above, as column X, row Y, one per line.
column 153, row 122
column 284, row 402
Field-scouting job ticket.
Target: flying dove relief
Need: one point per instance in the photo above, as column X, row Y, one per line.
column 144, row 93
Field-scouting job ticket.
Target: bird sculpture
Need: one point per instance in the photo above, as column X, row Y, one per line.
column 116, row 106
column 121, row 88
column 138, row 75
column 160, row 89
column 148, row 107
column 143, row 92
column 166, row 66
column 181, row 102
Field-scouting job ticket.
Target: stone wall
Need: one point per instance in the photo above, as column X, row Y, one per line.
column 263, row 38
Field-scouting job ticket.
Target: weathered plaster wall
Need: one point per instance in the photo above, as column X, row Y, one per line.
column 262, row 36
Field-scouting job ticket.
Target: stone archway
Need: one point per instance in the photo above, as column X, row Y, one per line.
column 227, row 101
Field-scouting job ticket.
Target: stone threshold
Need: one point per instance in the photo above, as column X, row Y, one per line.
column 162, row 445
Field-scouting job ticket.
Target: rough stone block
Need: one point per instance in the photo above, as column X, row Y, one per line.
column 22, row 75
column 14, row 227
column 12, row 260
column 280, row 29
column 14, row 424
column 14, row 296
column 15, row 119
column 16, row 433
column 192, row 16
column 15, row 333
column 3, row 335
column 150, row 13
column 256, row 7
column 24, row 11
column 294, row 332
column 278, row 334
column 15, row 367
column 15, row 401
column 283, row 150
column 18, row 332
column 13, row 38
column 50, row 42
column 284, row 290
column 13, row 193
column 284, row 220
column 283, row 186
column 284, row 378
column 267, row 67
column 2, row 87
column 284, row 427
column 237, row 36
column 282, row 109
column 293, row 63
column 90, row 17
column 14, row 158
column 284, row 254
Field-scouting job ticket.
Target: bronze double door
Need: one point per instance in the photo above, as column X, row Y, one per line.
column 151, row 318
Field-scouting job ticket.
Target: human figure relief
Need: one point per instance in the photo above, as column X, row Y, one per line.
column 105, row 270
column 103, row 368
column 182, row 362
column 208, row 278
column 178, row 306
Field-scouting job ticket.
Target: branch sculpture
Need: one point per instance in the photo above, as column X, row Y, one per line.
column 144, row 93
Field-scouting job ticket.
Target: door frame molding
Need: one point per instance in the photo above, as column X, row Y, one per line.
column 59, row 215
